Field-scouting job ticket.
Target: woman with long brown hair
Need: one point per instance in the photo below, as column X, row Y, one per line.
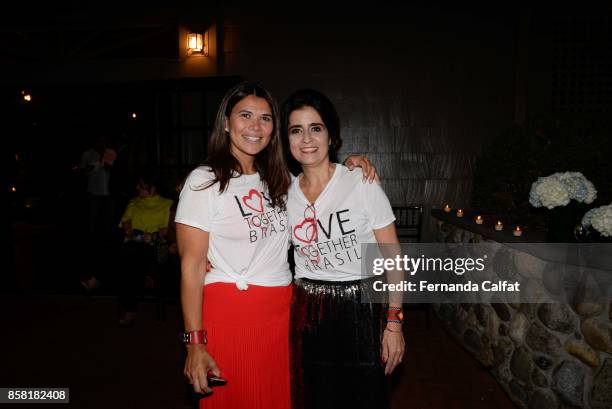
column 232, row 211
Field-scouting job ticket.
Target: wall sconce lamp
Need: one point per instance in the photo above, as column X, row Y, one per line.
column 197, row 44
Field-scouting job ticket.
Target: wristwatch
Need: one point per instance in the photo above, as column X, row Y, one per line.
column 194, row 337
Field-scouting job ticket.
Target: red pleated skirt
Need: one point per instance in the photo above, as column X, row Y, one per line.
column 248, row 337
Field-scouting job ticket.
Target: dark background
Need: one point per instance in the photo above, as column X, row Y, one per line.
column 425, row 91
column 422, row 90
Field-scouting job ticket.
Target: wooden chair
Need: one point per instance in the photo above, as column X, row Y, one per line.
column 409, row 226
column 408, row 222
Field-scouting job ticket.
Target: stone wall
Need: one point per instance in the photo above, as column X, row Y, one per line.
column 546, row 355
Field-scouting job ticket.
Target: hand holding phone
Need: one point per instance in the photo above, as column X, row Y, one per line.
column 214, row 380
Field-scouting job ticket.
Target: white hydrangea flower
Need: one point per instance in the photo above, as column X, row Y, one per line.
column 549, row 192
column 586, row 219
column 559, row 188
column 579, row 188
column 601, row 220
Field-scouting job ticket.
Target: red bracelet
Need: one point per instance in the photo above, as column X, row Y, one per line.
column 194, row 337
column 395, row 314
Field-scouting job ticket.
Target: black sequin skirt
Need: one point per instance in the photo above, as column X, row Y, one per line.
column 335, row 337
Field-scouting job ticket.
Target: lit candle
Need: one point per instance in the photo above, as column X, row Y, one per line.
column 499, row 226
column 479, row 219
column 13, row 189
column 517, row 231
column 447, row 208
column 459, row 212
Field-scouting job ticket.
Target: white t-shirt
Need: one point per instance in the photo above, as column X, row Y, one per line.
column 248, row 239
column 347, row 212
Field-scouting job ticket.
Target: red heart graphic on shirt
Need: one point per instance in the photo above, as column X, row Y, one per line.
column 253, row 200
column 306, row 232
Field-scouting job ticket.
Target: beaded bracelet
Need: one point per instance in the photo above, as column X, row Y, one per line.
column 395, row 314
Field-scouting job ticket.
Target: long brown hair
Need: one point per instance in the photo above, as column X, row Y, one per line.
column 269, row 163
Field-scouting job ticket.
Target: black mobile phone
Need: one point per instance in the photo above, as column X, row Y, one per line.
column 215, row 380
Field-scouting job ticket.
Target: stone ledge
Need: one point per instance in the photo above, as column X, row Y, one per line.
column 487, row 228
column 544, row 355
column 553, row 252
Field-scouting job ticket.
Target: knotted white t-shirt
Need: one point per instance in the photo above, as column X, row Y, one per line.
column 248, row 239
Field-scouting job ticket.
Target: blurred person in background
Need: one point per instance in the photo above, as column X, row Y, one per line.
column 146, row 225
column 96, row 163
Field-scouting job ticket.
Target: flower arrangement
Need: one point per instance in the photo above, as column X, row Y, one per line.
column 507, row 167
column 559, row 188
column 580, row 188
column 600, row 219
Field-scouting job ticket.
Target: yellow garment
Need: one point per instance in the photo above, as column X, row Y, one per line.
column 149, row 214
